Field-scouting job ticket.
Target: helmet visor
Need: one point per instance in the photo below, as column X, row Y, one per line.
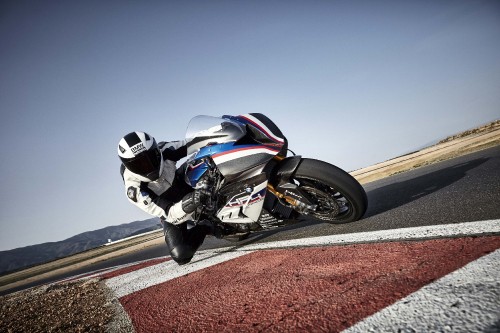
column 146, row 164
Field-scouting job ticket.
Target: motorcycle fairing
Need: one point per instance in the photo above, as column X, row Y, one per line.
column 230, row 159
column 241, row 158
column 206, row 131
column 224, row 152
column 263, row 125
column 229, row 145
column 240, row 147
column 195, row 170
column 244, row 207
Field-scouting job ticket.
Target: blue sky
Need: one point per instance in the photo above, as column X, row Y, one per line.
column 349, row 82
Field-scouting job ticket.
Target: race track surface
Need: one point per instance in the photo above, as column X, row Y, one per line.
column 432, row 278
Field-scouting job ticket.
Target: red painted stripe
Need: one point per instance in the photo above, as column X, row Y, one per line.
column 323, row 289
column 119, row 271
column 82, row 276
column 132, row 268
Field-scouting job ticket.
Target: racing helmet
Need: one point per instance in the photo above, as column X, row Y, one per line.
column 140, row 154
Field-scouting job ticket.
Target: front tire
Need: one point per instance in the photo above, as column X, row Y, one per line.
column 338, row 196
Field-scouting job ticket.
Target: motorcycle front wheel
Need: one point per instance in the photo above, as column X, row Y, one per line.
column 338, row 196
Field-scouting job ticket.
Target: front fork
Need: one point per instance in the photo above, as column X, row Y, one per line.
column 299, row 203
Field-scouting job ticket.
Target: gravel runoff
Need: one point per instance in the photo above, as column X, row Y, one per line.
column 467, row 300
column 77, row 306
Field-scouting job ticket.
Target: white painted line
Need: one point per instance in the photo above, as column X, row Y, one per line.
column 416, row 233
column 103, row 271
column 466, row 300
column 149, row 276
column 132, row 237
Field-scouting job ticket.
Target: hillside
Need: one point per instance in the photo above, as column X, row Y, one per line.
column 23, row 257
column 462, row 143
column 478, row 130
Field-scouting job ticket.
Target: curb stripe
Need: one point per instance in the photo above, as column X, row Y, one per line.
column 466, row 300
column 146, row 277
column 415, row 233
column 309, row 289
column 143, row 278
column 128, row 269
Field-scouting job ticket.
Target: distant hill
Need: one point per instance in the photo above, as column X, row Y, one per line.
column 481, row 129
column 23, row 257
column 477, row 130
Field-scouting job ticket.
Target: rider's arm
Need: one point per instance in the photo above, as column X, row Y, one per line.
column 162, row 206
column 174, row 150
column 158, row 206
column 142, row 198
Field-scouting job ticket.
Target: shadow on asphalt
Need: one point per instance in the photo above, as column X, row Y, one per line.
column 397, row 194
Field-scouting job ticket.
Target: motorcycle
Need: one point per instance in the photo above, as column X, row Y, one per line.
column 241, row 163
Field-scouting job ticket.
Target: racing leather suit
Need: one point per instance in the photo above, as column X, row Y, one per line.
column 163, row 198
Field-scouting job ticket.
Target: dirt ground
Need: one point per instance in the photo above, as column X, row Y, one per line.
column 83, row 306
column 88, row 306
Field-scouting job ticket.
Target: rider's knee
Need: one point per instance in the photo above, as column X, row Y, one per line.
column 182, row 254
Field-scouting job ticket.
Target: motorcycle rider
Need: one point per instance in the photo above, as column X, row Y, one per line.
column 153, row 184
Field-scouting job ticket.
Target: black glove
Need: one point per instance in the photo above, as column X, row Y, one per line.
column 193, row 200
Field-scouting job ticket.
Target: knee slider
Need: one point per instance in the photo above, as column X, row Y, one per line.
column 182, row 254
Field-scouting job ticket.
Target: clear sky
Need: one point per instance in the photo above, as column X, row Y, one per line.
column 349, row 82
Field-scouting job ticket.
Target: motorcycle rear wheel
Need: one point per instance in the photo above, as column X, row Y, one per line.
column 338, row 196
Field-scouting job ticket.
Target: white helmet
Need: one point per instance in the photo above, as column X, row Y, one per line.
column 141, row 155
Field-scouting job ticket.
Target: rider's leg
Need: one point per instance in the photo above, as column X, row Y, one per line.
column 182, row 242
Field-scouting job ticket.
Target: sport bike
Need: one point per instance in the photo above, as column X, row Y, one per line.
column 250, row 184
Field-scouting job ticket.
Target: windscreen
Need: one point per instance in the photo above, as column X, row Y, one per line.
column 205, row 129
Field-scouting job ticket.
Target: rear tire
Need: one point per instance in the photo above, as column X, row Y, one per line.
column 340, row 197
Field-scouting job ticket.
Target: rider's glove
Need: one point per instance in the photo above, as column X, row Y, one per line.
column 193, row 200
